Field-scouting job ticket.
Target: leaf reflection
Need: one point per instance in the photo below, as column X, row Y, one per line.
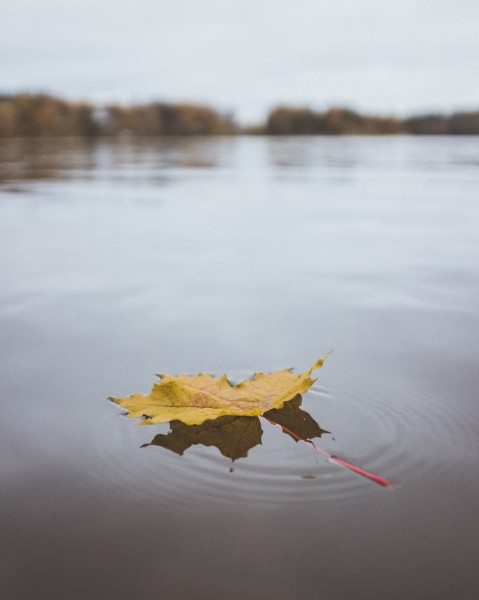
column 235, row 436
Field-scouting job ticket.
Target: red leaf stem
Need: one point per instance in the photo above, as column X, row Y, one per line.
column 339, row 461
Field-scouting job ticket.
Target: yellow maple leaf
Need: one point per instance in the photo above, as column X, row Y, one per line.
column 195, row 399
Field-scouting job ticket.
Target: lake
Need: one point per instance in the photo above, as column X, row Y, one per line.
column 120, row 260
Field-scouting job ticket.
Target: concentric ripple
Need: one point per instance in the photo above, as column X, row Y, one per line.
column 404, row 434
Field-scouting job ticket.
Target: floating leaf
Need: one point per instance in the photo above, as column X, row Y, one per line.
column 195, row 399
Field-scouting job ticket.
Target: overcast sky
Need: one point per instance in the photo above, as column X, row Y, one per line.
column 247, row 55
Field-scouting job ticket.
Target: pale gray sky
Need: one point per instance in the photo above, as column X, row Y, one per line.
column 246, row 55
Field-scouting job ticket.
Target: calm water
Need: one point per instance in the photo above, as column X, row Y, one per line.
column 240, row 255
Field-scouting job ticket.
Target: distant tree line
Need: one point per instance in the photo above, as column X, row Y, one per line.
column 41, row 115
column 286, row 120
column 165, row 119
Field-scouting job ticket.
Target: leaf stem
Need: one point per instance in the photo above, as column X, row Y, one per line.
column 339, row 461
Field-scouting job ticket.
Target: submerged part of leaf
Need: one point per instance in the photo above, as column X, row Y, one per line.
column 295, row 419
column 195, row 399
column 235, row 436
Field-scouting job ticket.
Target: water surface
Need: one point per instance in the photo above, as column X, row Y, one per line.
column 122, row 260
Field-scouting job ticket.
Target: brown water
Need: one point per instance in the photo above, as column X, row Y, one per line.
column 239, row 255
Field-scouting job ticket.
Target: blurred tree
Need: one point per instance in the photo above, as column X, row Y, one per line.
column 286, row 120
column 167, row 119
column 41, row 115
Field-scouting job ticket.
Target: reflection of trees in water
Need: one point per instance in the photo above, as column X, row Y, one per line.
column 126, row 158
column 235, row 436
column 23, row 159
column 292, row 152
